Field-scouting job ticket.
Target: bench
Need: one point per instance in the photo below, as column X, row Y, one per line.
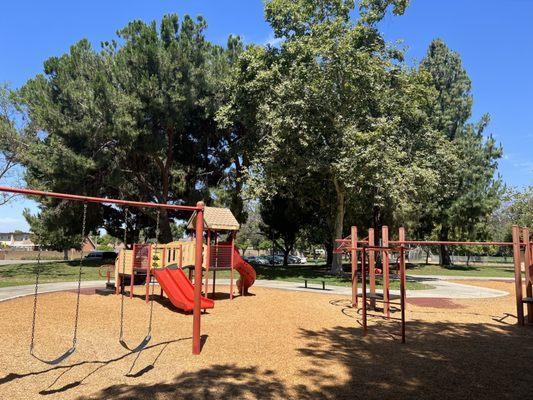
column 308, row 280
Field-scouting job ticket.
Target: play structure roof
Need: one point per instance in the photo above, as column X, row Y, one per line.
column 216, row 219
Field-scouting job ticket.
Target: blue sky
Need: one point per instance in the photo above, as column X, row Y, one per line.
column 495, row 43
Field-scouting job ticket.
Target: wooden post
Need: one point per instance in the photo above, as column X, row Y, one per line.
column 403, row 280
column 528, row 267
column 372, row 268
column 386, row 264
column 197, row 310
column 518, row 275
column 353, row 248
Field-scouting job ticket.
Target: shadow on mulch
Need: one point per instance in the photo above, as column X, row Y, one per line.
column 99, row 365
column 441, row 360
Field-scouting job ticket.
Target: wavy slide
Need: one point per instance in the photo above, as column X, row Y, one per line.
column 246, row 271
column 179, row 289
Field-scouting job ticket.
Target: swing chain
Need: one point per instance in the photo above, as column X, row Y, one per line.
column 35, row 294
column 84, row 221
column 123, row 273
column 152, row 294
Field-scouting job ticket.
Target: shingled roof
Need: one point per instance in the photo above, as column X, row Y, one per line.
column 216, row 219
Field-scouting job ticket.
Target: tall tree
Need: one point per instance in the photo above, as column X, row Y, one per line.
column 11, row 140
column 283, row 219
column 339, row 117
column 134, row 120
column 468, row 191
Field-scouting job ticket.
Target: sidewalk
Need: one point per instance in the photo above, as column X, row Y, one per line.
column 442, row 288
column 13, row 292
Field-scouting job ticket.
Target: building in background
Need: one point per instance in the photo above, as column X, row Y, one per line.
column 16, row 240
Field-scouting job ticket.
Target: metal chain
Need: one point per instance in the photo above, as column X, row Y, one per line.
column 75, row 336
column 35, row 294
column 123, row 273
column 152, row 289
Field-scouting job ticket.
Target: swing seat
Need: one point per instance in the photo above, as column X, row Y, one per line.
column 59, row 359
column 141, row 345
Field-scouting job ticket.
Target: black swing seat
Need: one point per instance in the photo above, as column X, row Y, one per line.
column 141, row 345
column 59, row 359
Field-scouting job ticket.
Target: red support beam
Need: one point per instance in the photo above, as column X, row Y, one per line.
column 449, row 243
column 403, row 280
column 518, row 275
column 363, row 295
column 372, row 269
column 386, row 268
column 100, row 200
column 528, row 270
column 354, row 254
column 197, row 311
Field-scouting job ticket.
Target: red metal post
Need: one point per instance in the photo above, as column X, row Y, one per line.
column 363, row 284
column 401, row 235
column 528, row 267
column 197, row 311
column 518, row 275
column 372, row 269
column 354, row 265
column 386, row 265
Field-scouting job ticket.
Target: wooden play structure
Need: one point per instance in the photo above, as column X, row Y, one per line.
column 363, row 252
column 143, row 259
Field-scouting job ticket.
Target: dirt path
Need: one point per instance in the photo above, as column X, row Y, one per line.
column 275, row 344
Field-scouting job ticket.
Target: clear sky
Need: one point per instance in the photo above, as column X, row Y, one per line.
column 495, row 42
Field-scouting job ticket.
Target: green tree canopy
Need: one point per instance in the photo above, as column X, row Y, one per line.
column 134, row 120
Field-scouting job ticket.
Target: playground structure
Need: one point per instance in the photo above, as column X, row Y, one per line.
column 366, row 249
column 167, row 262
column 195, row 258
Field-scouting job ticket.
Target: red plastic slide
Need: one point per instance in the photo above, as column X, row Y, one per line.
column 179, row 289
column 245, row 270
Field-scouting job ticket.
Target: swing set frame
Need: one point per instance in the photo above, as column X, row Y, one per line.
column 199, row 231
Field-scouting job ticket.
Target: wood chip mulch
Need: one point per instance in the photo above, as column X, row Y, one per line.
column 271, row 345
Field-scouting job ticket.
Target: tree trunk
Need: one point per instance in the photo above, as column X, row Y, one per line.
column 444, row 250
column 376, row 219
column 329, row 253
column 286, row 257
column 427, row 257
column 65, row 254
column 165, row 232
column 336, row 264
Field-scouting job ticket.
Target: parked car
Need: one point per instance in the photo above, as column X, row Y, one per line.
column 249, row 259
column 261, row 260
column 296, row 260
column 101, row 256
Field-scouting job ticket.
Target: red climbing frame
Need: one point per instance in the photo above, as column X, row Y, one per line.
column 199, row 209
column 522, row 249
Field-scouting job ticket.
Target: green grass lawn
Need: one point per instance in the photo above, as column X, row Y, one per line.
column 315, row 273
column 24, row 274
column 499, row 270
